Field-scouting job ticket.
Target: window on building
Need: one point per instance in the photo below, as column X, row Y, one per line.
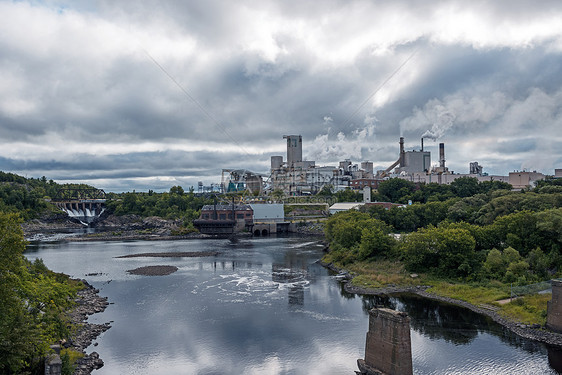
column 222, row 216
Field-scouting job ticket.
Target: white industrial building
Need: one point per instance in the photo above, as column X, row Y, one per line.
column 302, row 177
column 268, row 213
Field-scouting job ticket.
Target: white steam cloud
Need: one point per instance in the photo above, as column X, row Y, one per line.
column 332, row 148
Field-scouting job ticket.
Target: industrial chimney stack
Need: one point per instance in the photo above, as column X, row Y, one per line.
column 442, row 155
column 402, row 161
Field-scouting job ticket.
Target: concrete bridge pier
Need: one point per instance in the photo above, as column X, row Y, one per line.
column 388, row 348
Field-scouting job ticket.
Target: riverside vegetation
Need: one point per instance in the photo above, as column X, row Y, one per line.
column 31, row 199
column 467, row 240
column 34, row 302
column 470, row 241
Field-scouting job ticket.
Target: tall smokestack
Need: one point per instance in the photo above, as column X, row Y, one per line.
column 442, row 155
column 422, row 144
column 294, row 149
column 401, row 151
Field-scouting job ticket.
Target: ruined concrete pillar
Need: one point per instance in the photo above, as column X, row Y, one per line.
column 388, row 349
column 53, row 362
column 554, row 308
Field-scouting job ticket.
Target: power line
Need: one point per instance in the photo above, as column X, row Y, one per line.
column 201, row 108
column 378, row 88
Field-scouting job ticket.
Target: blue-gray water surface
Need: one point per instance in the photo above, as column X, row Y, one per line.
column 264, row 306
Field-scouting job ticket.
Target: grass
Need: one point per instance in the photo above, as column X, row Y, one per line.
column 529, row 309
column 379, row 274
column 69, row 358
column 472, row 293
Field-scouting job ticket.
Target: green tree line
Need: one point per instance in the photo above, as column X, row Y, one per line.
column 497, row 234
column 482, row 208
column 29, row 196
column 33, row 302
column 175, row 204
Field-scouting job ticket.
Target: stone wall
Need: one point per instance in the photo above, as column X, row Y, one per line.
column 388, row 347
column 554, row 308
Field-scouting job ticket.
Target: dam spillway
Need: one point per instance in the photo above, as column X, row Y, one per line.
column 84, row 204
column 83, row 210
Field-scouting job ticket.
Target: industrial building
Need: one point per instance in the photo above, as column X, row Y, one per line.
column 228, row 219
column 233, row 180
column 295, row 176
column 416, row 166
column 524, row 179
column 302, row 177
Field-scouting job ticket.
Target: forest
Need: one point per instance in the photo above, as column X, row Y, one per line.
column 464, row 231
column 33, row 302
column 31, row 199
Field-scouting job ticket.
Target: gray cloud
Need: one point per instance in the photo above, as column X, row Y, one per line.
column 80, row 94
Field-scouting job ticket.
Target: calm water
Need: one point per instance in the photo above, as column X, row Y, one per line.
column 263, row 306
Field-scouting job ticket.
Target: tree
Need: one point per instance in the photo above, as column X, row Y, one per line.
column 494, row 264
column 396, row 189
column 442, row 251
column 327, row 190
column 465, row 186
column 177, row 190
column 375, row 242
column 32, row 301
column 357, row 236
column 16, row 330
column 348, row 195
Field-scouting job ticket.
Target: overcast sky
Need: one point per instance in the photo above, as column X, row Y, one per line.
column 145, row 95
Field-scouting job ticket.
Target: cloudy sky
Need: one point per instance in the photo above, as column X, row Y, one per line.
column 149, row 94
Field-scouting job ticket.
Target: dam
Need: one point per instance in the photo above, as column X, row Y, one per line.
column 82, row 204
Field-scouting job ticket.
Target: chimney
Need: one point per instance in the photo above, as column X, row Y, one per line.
column 401, row 151
column 442, row 155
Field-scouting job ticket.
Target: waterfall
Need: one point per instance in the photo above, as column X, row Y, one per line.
column 82, row 213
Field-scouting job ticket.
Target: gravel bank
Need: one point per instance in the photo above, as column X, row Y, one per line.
column 154, row 270
column 183, row 254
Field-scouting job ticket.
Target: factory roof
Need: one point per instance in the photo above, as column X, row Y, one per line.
column 345, row 206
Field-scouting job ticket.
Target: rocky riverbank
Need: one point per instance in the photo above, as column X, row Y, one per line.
column 53, row 222
column 59, row 226
column 88, row 302
column 531, row 332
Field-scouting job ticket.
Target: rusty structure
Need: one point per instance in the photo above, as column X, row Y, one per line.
column 82, row 203
column 224, row 219
column 388, row 348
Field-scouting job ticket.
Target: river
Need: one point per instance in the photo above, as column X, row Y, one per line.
column 264, row 306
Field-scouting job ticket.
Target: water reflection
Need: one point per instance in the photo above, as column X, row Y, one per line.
column 555, row 358
column 459, row 326
column 265, row 306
